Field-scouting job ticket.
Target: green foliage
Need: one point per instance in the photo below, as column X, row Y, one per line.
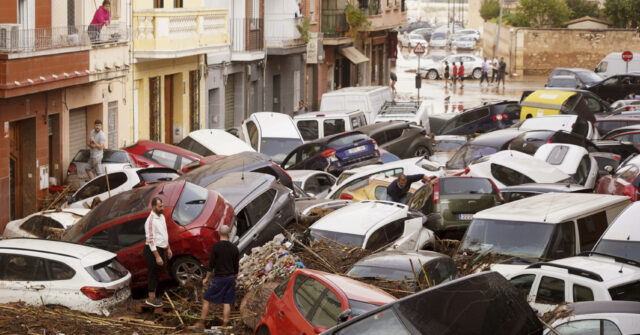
column 356, row 19
column 303, row 28
column 489, row 9
column 582, row 8
column 542, row 13
column 623, row 13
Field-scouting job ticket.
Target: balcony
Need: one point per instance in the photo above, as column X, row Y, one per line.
column 334, row 23
column 384, row 14
column 173, row 33
column 283, row 33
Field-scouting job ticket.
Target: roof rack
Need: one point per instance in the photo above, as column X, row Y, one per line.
column 571, row 269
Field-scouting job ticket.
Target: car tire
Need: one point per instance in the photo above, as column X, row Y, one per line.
column 187, row 269
column 432, row 75
column 476, row 74
column 263, row 330
column 420, row 151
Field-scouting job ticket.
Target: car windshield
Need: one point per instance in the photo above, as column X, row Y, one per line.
column 562, row 82
column 515, row 238
column 625, row 249
column 589, row 77
column 108, row 271
column 384, row 273
column 191, row 203
column 115, row 156
column 335, row 237
column 347, row 139
column 466, row 186
column 467, row 154
column 449, row 145
column 278, row 148
column 343, row 176
column 360, row 307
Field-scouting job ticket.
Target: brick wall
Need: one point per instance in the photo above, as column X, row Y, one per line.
column 8, row 11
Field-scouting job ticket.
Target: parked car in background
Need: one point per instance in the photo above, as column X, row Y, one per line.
column 438, row 40
column 517, row 192
column 613, row 64
column 48, row 224
column 244, row 161
column 564, row 122
column 424, row 32
column 207, row 142
column 482, row 119
column 315, row 125
column 112, row 161
column 313, row 301
column 622, row 149
column 193, row 215
column 400, row 138
column 272, row 134
column 468, row 33
column 263, row 208
column 611, row 122
column 413, row 112
column 598, row 317
column 312, row 182
column 102, row 187
column 563, row 81
column 628, row 134
column 77, row 277
column 483, row 145
column 445, row 146
column 622, row 238
column 624, row 181
column 368, row 99
column 572, row 160
column 157, row 154
column 465, row 42
column 617, row 87
column 472, row 66
column 431, row 268
column 415, row 39
column 629, row 105
column 556, row 101
column 584, row 77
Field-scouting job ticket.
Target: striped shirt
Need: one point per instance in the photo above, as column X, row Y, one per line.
column 155, row 230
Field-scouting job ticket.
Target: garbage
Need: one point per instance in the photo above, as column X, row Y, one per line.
column 268, row 263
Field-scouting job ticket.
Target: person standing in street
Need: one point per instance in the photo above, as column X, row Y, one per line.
column 502, row 71
column 454, row 74
column 399, row 189
column 224, row 263
column 156, row 249
column 101, row 18
column 485, row 72
column 446, row 74
column 394, row 79
column 96, row 143
column 494, row 70
column 461, row 74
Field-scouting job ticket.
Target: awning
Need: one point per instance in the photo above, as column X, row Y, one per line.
column 355, row 56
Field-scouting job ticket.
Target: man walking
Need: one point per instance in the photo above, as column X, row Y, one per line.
column 397, row 191
column 96, row 143
column 156, row 249
column 454, row 74
column 224, row 262
column 485, row 72
column 502, row 71
column 494, row 69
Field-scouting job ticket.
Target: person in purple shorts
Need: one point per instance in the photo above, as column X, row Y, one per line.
column 224, row 263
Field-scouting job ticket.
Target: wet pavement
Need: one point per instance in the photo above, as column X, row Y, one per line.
column 448, row 99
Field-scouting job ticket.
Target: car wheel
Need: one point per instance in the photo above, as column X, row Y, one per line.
column 432, row 74
column 420, row 151
column 263, row 330
column 477, row 73
column 187, row 269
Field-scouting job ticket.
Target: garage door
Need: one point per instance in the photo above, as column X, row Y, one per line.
column 229, row 102
column 77, row 131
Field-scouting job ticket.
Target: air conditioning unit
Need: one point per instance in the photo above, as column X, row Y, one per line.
column 9, row 35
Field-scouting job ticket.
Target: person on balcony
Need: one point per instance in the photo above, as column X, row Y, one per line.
column 100, row 18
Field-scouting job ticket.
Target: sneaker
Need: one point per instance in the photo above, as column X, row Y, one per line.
column 154, row 303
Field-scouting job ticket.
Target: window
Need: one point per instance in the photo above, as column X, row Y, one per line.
column 308, row 151
column 393, row 134
column 557, row 155
column 99, row 185
column 383, row 322
column 308, row 129
column 355, row 122
column 582, row 173
column 282, row 287
column 312, row 10
column 255, row 14
column 328, row 310
column 162, row 157
column 184, row 161
column 380, row 138
column 306, row 292
column 151, row 176
column 611, row 81
column 582, row 293
column 590, row 229
column 253, row 134
column 257, row 208
column 509, row 177
column 317, row 184
column 158, row 3
column 385, row 235
column 115, row 11
column 292, row 159
column 108, row 271
column 438, row 271
column 177, row 3
column 60, row 271
column 551, row 290
column 333, row 126
column 523, row 283
column 466, row 186
column 190, row 204
column 563, row 241
column 22, row 268
column 588, row 327
column 42, row 226
column 119, row 237
column 627, row 292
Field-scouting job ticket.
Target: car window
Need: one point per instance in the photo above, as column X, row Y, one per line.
column 594, row 105
column 328, row 310
column 99, row 185
column 363, row 120
column 508, row 176
column 582, row 173
column 252, row 129
column 355, row 122
column 194, row 146
column 307, row 152
column 385, row 235
column 115, row 156
column 550, row 290
column 22, row 268
column 317, row 184
column 382, row 322
column 308, row 129
column 118, row 237
column 108, row 271
column 306, row 294
column 42, row 226
column 626, row 292
column 380, row 138
column 611, row 81
column 466, row 186
column 563, row 241
column 590, row 229
column 393, row 134
column 627, row 172
column 260, row 205
column 184, row 161
column 333, row 126
column 150, row 176
column 162, row 157
column 438, row 272
column 292, row 159
column 282, row 288
column 190, row 204
column 60, row 271
column 557, row 154
column 582, row 293
column 588, row 327
column 523, row 283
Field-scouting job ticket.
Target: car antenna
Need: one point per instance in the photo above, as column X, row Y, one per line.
column 625, row 255
column 553, row 195
column 242, row 178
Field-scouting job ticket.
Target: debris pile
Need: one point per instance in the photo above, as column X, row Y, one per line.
column 331, row 258
column 268, row 263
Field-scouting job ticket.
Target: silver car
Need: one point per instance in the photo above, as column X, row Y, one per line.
column 472, row 66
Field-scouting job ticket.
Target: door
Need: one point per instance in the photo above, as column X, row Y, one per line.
column 214, row 108
column 15, row 171
column 112, row 132
column 24, row 278
column 77, row 131
column 168, row 109
column 276, row 93
column 229, row 102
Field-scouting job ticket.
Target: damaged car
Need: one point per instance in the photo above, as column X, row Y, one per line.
column 48, row 224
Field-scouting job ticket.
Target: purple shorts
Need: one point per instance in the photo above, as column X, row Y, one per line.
column 222, row 290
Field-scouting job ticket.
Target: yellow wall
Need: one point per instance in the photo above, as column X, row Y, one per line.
column 148, row 4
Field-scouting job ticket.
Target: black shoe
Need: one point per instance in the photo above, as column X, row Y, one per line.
column 154, row 302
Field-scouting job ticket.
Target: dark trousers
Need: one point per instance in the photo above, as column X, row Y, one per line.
column 494, row 73
column 94, row 33
column 485, row 76
column 155, row 270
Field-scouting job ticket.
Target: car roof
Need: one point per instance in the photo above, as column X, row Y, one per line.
column 353, row 289
column 399, row 259
column 380, row 126
column 167, row 147
column 245, row 160
column 219, row 141
column 277, row 125
column 571, row 159
column 606, row 267
column 528, row 165
column 603, row 307
column 361, row 217
column 87, row 255
column 235, row 187
column 333, row 113
column 545, row 188
column 551, row 207
column 356, row 90
column 625, row 225
column 497, row 137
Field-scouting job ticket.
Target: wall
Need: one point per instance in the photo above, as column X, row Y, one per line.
column 9, row 11
column 43, row 13
column 588, row 25
column 490, row 31
column 285, row 66
column 475, row 21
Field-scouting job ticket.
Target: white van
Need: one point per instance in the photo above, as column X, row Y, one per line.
column 541, row 228
column 368, row 99
column 315, row 125
column 613, row 64
column 273, row 134
column 622, row 239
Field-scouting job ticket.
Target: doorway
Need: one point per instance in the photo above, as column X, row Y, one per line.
column 276, row 93
column 168, row 109
column 22, row 171
column 53, row 127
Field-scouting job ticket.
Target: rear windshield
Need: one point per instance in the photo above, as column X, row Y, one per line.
column 108, row 156
column 341, row 141
column 625, row 249
column 386, row 273
column 194, row 146
column 626, row 292
column 157, row 175
column 343, row 176
column 108, row 271
column 589, row 77
column 467, row 154
column 350, row 240
column 191, row 203
column 278, row 148
column 466, row 186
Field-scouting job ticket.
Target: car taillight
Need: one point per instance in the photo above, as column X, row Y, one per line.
column 140, row 184
column 281, row 169
column 436, row 193
column 328, row 153
column 97, row 293
column 550, row 140
column 616, row 157
column 631, row 192
column 345, row 196
column 495, row 188
column 72, row 169
column 628, row 108
column 500, row 117
column 466, row 171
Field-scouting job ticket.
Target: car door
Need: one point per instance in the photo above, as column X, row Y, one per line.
column 607, row 87
column 64, row 289
column 396, row 143
column 256, row 224
column 23, row 278
column 549, row 292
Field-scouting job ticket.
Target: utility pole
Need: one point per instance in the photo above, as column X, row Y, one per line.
column 495, row 52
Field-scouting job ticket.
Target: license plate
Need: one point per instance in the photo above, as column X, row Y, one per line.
column 465, row 216
column 356, row 149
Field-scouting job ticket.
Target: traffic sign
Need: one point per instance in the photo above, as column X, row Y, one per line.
column 419, row 49
column 627, row 56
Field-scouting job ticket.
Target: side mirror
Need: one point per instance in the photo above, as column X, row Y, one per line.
column 608, row 168
column 319, row 329
column 344, row 316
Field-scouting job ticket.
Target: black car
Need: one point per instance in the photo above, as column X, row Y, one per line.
column 400, row 138
column 483, row 119
column 585, row 78
column 245, row 161
column 623, row 149
column 617, row 87
column 609, row 123
column 483, row 145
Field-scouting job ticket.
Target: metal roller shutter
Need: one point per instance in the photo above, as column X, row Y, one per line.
column 77, row 131
column 229, row 102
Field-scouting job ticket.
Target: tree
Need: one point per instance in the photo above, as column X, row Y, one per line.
column 543, row 13
column 489, row 9
column 623, row 13
column 581, row 8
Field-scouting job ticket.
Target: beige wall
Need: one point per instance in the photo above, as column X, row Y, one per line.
column 489, row 33
column 475, row 21
column 588, row 25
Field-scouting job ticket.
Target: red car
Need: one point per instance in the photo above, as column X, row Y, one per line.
column 310, row 302
column 625, row 181
column 193, row 215
column 150, row 153
column 204, row 161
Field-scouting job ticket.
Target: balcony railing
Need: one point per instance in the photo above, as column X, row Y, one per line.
column 247, row 34
column 14, row 39
column 282, row 33
column 334, row 23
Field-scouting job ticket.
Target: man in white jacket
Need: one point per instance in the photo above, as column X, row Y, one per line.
column 156, row 249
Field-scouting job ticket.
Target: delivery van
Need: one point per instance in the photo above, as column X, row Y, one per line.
column 613, row 64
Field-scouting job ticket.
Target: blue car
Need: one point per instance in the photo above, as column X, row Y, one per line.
column 334, row 154
column 482, row 119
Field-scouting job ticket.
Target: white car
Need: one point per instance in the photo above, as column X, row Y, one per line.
column 598, row 317
column 565, row 122
column 416, row 165
column 465, row 42
column 414, row 39
column 622, row 238
column 273, row 134
column 314, row 183
column 75, row 276
column 439, row 40
column 112, row 161
column 578, row 278
column 207, row 142
column 46, row 224
column 472, row 66
column 118, row 182
column 510, row 167
column 374, row 225
column 571, row 159
column 472, row 33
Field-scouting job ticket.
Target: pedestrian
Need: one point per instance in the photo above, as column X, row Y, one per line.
column 156, row 249
column 101, row 17
column 394, row 79
column 96, row 144
column 485, row 72
column 298, row 12
column 494, row 69
column 446, row 74
column 399, row 189
column 454, row 74
column 224, row 263
column 461, row 74
column 302, row 108
column 502, row 71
